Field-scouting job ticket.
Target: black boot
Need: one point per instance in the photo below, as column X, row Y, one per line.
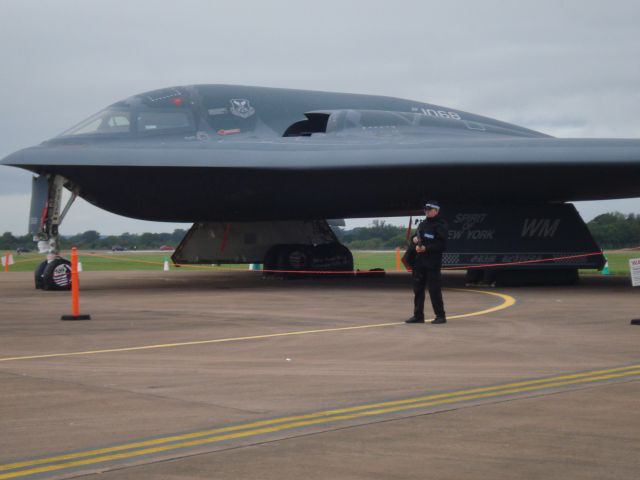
column 439, row 320
column 415, row 320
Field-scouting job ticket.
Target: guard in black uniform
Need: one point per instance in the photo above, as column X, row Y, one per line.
column 429, row 243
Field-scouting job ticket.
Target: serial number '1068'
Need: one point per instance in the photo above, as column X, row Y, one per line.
column 440, row 113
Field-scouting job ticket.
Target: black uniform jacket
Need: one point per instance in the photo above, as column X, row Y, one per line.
column 433, row 234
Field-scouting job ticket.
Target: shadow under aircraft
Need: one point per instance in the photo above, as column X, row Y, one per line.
column 259, row 170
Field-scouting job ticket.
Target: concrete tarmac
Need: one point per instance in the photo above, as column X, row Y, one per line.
column 201, row 374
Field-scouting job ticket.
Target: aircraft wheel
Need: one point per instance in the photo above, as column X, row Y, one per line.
column 38, row 274
column 286, row 258
column 332, row 257
column 57, row 275
column 293, row 257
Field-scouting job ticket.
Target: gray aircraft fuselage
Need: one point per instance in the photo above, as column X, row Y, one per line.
column 236, row 153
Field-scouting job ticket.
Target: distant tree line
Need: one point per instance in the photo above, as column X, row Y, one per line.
column 610, row 230
column 616, row 230
column 378, row 236
column 92, row 240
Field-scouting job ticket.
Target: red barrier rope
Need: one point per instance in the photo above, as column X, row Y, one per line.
column 360, row 272
column 462, row 267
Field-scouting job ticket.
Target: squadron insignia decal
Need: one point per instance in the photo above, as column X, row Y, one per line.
column 240, row 107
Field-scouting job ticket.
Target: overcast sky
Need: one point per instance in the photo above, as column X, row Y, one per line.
column 569, row 69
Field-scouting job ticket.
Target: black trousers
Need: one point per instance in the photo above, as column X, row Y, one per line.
column 423, row 277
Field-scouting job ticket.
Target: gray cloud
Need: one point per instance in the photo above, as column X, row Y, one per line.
column 568, row 69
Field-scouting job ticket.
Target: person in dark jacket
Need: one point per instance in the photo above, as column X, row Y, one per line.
column 429, row 242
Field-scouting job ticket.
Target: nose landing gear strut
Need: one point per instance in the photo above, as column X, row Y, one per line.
column 44, row 220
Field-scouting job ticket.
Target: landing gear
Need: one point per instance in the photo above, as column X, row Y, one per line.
column 57, row 275
column 45, row 218
column 53, row 275
column 283, row 247
column 288, row 259
column 332, row 257
column 38, row 275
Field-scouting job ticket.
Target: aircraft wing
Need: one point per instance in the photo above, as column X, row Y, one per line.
column 327, row 177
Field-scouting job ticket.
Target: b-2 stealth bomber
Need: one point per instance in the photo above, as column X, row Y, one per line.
column 259, row 170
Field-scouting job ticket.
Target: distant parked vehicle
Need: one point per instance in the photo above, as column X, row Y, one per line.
column 23, row 250
column 117, row 248
column 166, row 247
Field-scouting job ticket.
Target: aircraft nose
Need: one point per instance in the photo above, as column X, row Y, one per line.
column 26, row 156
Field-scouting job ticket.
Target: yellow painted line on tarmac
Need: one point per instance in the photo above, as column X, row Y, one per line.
column 507, row 301
column 194, row 439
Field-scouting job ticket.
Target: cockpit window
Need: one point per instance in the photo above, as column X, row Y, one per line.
column 377, row 119
column 155, row 120
column 104, row 122
column 122, row 121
